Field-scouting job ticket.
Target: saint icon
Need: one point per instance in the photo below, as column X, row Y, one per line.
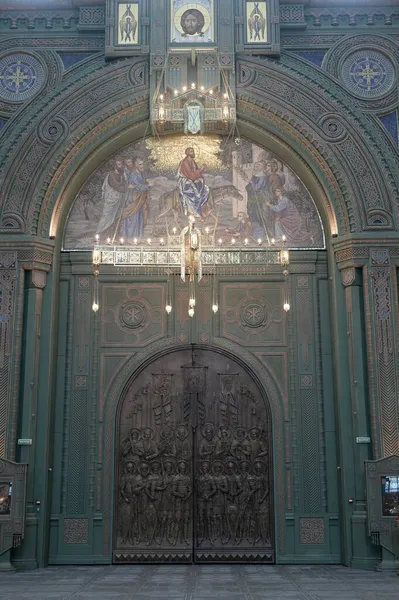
column 128, row 26
column 192, row 22
column 257, row 23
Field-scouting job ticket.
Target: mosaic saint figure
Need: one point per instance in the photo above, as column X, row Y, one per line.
column 257, row 24
column 287, row 219
column 135, row 213
column 128, row 25
column 193, row 192
column 257, row 193
column 125, row 201
column 113, row 198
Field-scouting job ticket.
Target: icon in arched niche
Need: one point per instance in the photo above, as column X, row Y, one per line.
column 192, row 22
column 233, row 188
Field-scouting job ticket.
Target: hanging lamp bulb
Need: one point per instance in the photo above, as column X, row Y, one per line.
column 215, row 308
column 191, row 312
column 286, row 306
column 95, row 306
column 168, row 309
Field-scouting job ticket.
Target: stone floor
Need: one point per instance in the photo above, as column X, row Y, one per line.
column 192, row 582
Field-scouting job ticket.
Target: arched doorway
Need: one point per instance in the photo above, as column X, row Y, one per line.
column 193, row 464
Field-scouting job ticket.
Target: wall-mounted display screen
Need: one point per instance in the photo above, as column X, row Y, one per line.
column 5, row 497
column 390, row 495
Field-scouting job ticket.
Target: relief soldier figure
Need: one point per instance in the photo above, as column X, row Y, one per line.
column 167, row 446
column 240, row 447
column 132, row 447
column 206, row 489
column 256, row 444
column 183, row 447
column 218, row 501
column 130, row 490
column 245, row 501
column 167, row 501
column 154, row 489
column 181, row 491
column 209, row 444
column 234, row 489
column 150, row 448
column 224, row 443
column 143, row 515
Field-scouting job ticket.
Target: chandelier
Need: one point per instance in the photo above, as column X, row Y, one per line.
column 194, row 110
column 192, row 253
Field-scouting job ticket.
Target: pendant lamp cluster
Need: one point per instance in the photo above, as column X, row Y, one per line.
column 187, row 252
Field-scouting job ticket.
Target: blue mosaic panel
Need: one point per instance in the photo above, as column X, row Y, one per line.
column 390, row 123
column 313, row 56
column 368, row 73
column 3, row 123
column 21, row 77
column 71, row 58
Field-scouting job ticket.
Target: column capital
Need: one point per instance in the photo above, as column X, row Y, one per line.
column 30, row 254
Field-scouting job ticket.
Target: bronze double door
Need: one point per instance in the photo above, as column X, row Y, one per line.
column 193, row 473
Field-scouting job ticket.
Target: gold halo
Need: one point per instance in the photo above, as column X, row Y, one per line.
column 185, row 8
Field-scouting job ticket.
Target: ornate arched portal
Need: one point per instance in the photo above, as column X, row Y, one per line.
column 277, row 386
column 194, row 468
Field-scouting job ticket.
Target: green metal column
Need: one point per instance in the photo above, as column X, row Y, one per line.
column 343, row 413
column 363, row 554
column 35, row 282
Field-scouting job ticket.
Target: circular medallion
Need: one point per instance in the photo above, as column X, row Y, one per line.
column 332, row 127
column 133, row 315
column 253, row 314
column 368, row 74
column 21, row 77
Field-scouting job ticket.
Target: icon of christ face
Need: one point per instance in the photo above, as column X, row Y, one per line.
column 192, row 22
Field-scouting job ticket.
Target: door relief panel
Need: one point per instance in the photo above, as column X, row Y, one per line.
column 193, row 464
